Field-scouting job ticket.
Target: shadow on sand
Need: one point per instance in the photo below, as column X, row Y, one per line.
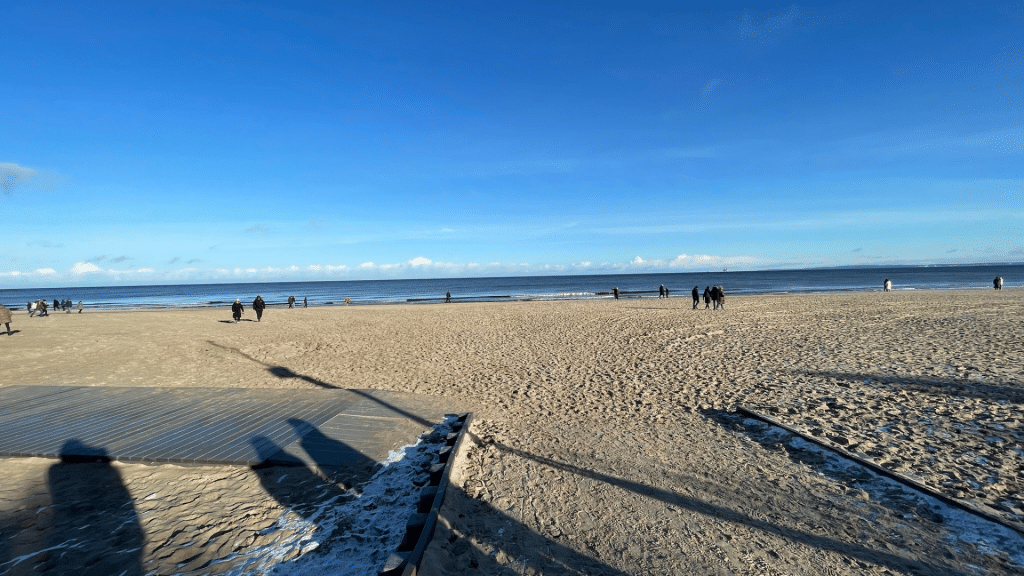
column 298, row 487
column 279, row 371
column 1012, row 392
column 553, row 557
column 92, row 526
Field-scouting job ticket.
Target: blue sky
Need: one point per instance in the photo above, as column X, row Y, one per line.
column 170, row 142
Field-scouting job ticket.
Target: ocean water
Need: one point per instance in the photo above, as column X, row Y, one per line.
column 432, row 291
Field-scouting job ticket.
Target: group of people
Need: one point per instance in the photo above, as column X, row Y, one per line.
column 291, row 301
column 712, row 295
column 997, row 283
column 41, row 307
column 258, row 306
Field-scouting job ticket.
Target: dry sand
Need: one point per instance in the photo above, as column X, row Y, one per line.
column 602, row 441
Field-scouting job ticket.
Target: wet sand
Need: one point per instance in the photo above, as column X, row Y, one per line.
column 602, row 440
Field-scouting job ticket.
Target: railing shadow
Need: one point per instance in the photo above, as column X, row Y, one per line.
column 279, row 371
column 930, row 385
column 285, row 372
column 876, row 555
column 526, row 549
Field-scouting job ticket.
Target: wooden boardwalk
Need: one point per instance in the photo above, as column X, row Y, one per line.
column 325, row 428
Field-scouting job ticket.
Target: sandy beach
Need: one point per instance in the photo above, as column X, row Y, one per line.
column 604, row 438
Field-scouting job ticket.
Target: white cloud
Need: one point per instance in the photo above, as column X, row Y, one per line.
column 637, row 260
column 366, row 265
column 12, row 175
column 420, row 261
column 85, row 268
column 703, row 260
column 32, row 274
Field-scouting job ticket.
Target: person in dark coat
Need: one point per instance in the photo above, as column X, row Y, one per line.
column 291, row 301
column 448, row 296
column 661, row 291
column 42, row 308
column 615, row 292
column 258, row 305
column 696, row 297
column 998, row 283
column 237, row 309
column 305, row 302
column 56, row 305
column 707, row 297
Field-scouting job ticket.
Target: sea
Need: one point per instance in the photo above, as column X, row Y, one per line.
column 522, row 288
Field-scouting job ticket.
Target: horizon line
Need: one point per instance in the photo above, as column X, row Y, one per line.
column 724, row 271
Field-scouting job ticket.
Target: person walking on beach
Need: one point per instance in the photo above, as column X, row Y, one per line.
column 258, row 305
column 305, row 302
column 721, row 298
column 615, row 292
column 448, row 297
column 707, row 297
column 998, row 283
column 79, row 306
column 5, row 318
column 661, row 291
column 887, row 285
column 42, row 308
column 31, row 309
column 291, row 301
column 56, row 305
column 237, row 309
column 696, row 297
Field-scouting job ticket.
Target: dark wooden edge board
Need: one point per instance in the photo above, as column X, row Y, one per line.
column 420, row 527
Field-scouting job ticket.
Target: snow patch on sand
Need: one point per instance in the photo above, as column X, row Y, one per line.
column 354, row 537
